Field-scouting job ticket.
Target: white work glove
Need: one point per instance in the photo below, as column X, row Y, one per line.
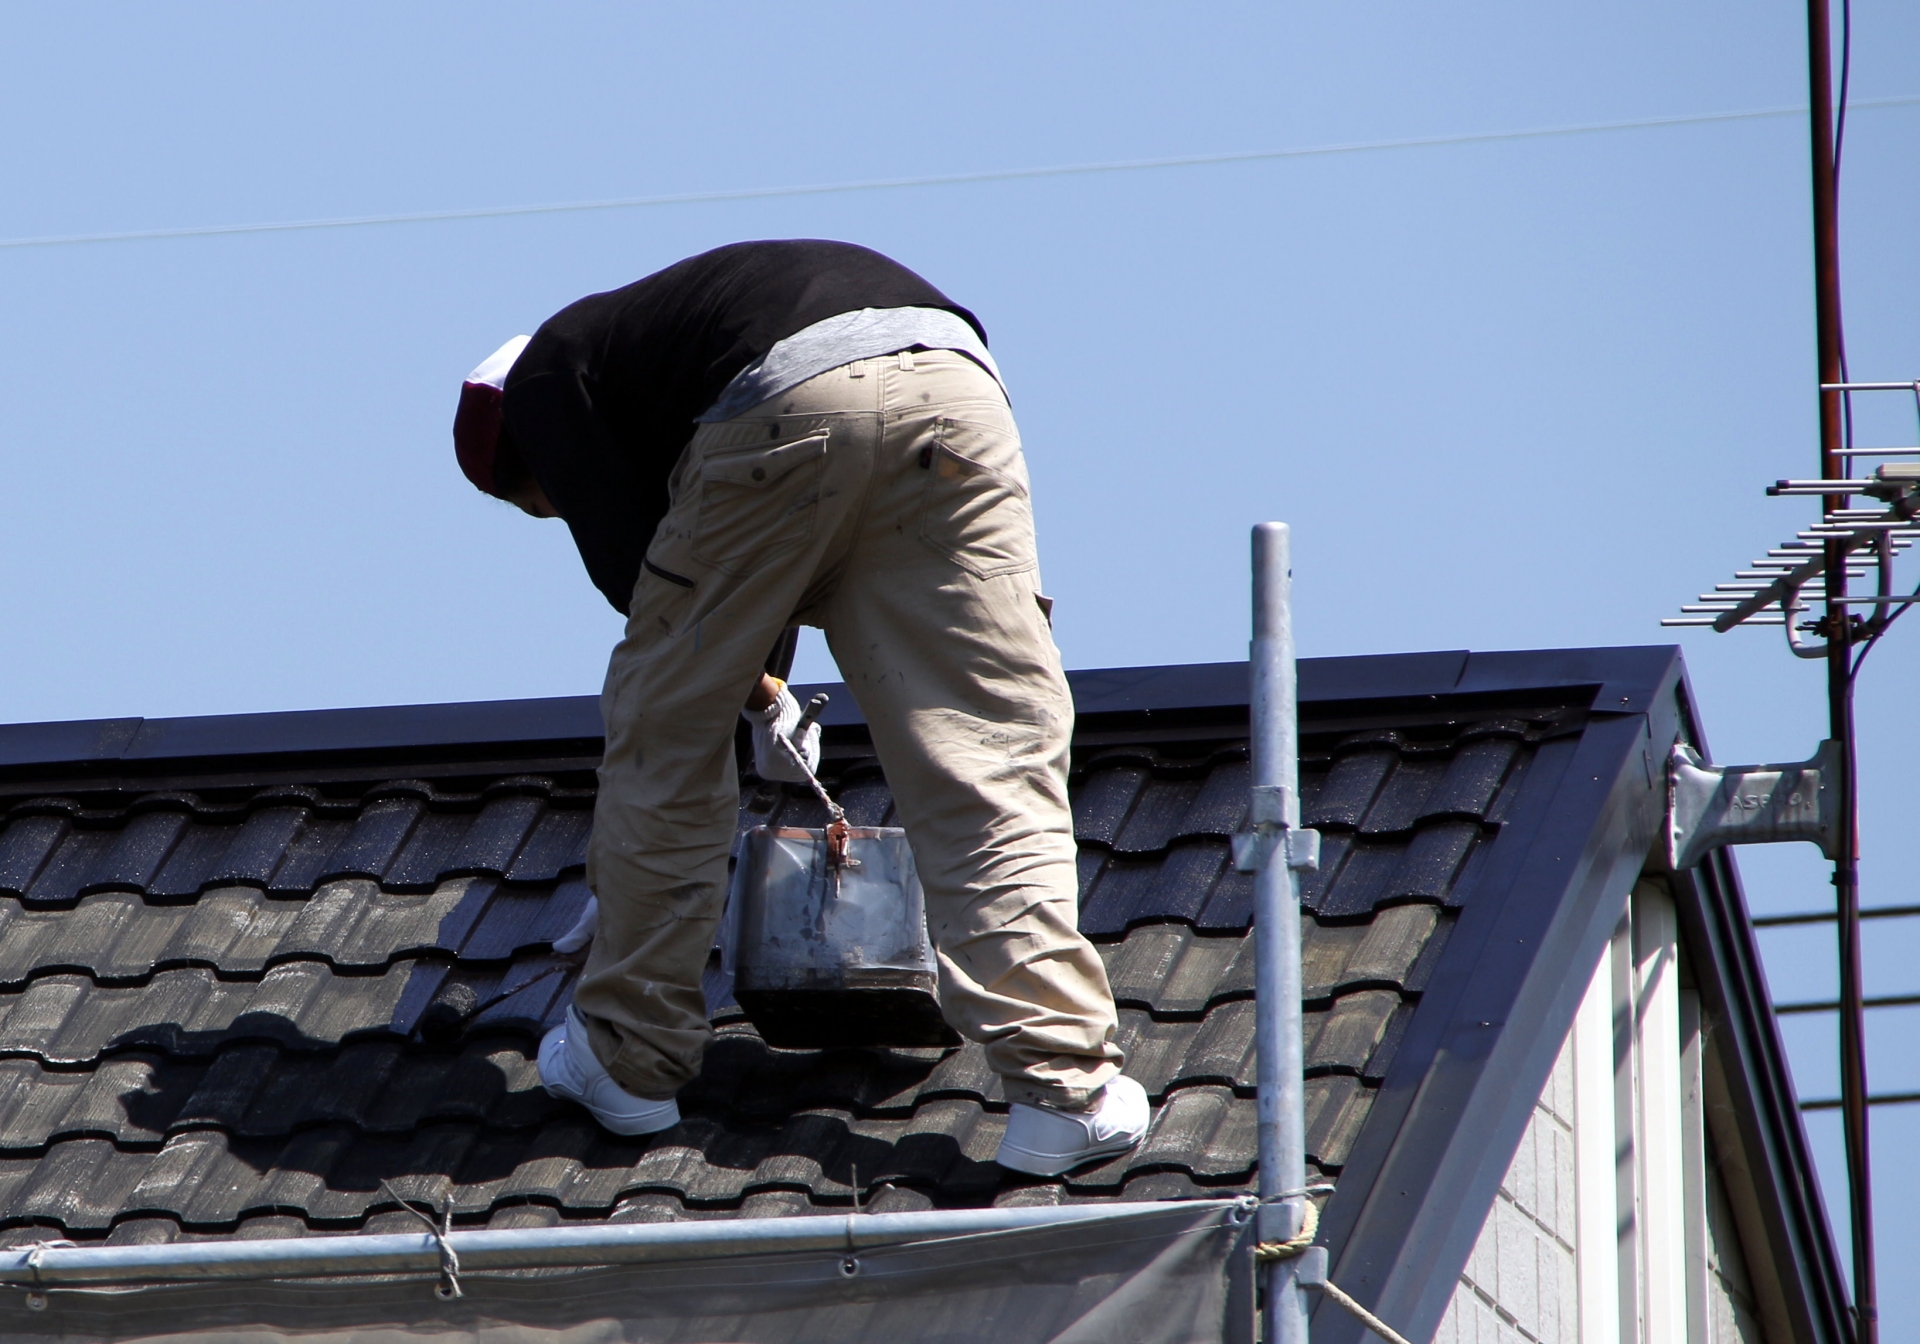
column 770, row 759
column 583, row 928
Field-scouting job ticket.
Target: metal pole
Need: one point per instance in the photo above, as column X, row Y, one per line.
column 1839, row 636
column 539, row 1247
column 1276, row 924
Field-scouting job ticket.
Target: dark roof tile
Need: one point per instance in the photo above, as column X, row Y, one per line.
column 1432, row 859
column 1186, row 880
column 194, row 857
column 432, row 848
column 1343, row 1037
column 309, row 855
column 1344, row 794
column 514, row 919
column 1325, row 952
column 377, row 838
column 1230, row 908
column 1336, row 1107
column 1103, row 800
column 1389, row 946
column 255, row 848
column 138, row 851
column 1171, row 969
column 1403, row 797
column 558, row 842
column 1156, row 816
column 194, row 1056
column 25, row 846
column 1116, row 896
column 70, row 867
column 495, row 836
column 1220, row 806
column 1357, row 880
column 1472, row 778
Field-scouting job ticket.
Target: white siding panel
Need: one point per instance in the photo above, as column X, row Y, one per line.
column 1521, row 1285
column 1596, row 1158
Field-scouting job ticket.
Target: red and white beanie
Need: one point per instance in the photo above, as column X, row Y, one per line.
column 476, row 422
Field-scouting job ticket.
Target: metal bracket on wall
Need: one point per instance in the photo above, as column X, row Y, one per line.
column 1713, row 805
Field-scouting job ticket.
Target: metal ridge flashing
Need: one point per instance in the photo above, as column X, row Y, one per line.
column 1623, row 680
column 1450, row 1114
column 40, row 1267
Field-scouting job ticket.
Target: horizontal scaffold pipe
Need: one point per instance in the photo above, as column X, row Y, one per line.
column 535, row 1247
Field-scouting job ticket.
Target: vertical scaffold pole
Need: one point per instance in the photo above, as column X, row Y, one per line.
column 1276, row 924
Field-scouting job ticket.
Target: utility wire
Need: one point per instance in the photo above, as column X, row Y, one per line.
column 938, row 180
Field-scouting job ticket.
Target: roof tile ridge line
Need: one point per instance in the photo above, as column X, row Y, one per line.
column 322, row 1050
column 262, row 797
column 179, row 1129
column 230, row 976
column 40, row 1151
column 1177, row 1016
column 1336, row 991
column 1365, row 985
column 189, row 800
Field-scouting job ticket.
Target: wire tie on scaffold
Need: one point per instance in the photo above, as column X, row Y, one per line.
column 449, row 1286
column 37, row 1295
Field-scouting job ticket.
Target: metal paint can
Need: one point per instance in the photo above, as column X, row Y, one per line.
column 825, row 954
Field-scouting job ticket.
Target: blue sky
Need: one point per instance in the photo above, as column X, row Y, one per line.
column 1514, row 393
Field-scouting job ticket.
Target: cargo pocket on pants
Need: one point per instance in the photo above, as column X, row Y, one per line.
column 662, row 599
column 975, row 509
column 758, row 501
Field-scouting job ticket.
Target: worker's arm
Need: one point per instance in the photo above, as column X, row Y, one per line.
column 775, row 714
column 765, row 691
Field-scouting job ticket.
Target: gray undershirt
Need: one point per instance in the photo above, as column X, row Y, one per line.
column 831, row 342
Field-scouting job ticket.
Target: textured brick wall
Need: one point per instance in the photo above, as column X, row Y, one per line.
column 1522, row 1285
column 1732, row 1316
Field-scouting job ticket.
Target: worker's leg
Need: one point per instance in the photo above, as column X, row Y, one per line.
column 938, row 628
column 757, row 502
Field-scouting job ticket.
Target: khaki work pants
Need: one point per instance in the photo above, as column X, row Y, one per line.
column 885, row 501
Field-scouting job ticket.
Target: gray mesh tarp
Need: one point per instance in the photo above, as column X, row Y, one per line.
column 1172, row 1275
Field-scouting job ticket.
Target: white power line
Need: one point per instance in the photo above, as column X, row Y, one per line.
column 937, row 180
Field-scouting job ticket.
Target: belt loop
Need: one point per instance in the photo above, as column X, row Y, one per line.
column 857, row 369
column 906, row 361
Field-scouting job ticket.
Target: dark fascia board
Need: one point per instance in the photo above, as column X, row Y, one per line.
column 1757, row 1124
column 1449, row 1116
column 569, row 726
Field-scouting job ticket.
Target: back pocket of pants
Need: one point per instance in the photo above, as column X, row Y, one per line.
column 757, row 501
column 975, row 509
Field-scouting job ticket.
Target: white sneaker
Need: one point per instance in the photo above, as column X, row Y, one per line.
column 569, row 1070
column 1042, row 1141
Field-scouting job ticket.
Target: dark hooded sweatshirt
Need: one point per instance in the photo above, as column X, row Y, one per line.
column 604, row 398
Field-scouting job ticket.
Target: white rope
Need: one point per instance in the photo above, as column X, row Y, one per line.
column 838, row 834
column 1367, row 1318
column 1266, row 1252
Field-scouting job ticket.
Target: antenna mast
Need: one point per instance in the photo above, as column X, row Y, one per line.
column 1814, row 569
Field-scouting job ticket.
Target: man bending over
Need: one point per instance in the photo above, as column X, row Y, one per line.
column 782, row 433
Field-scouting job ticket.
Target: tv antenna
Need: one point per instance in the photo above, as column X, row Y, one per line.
column 1813, row 573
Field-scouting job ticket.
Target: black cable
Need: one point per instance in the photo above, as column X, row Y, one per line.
column 1839, row 144
column 1884, row 621
column 1846, row 70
